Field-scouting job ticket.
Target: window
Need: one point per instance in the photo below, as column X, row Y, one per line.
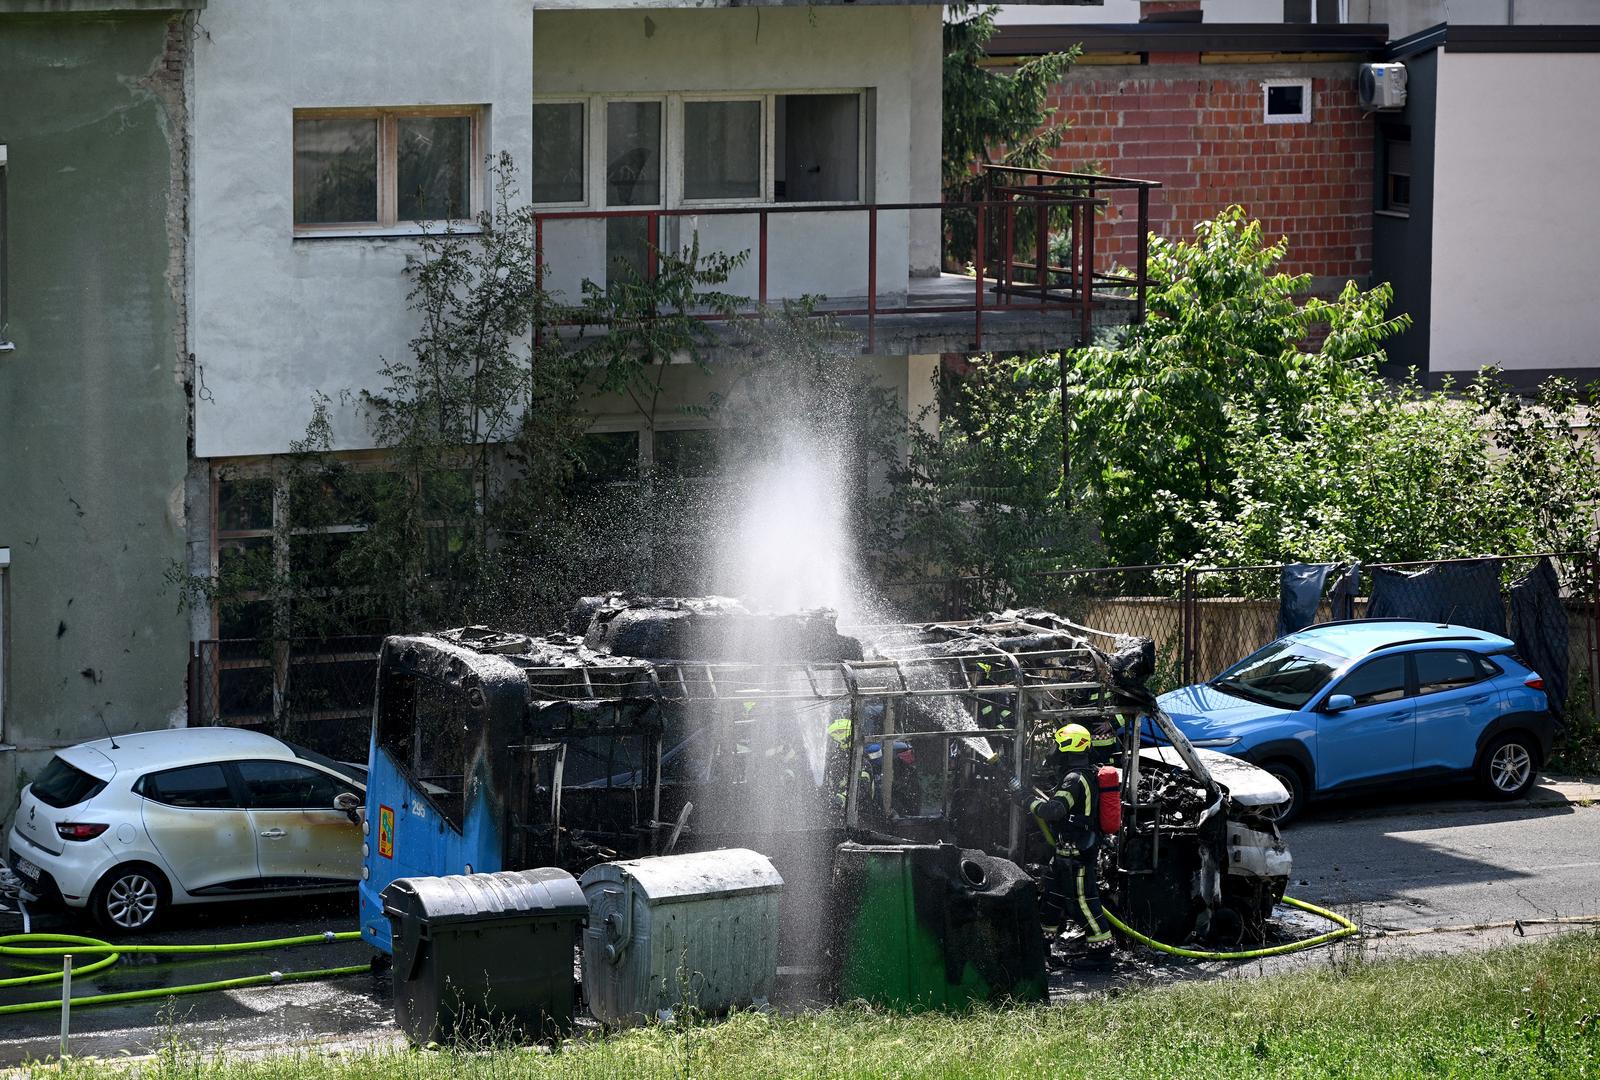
column 1284, row 674
column 1326, row 11
column 1438, row 672
column 1397, row 173
column 61, row 785
column 558, row 153
column 284, row 785
column 689, row 454
column 5, row 276
column 722, row 150
column 1286, row 101
column 817, row 148
column 383, row 168
column 633, row 153
column 1376, row 681
column 608, row 457
column 197, row 786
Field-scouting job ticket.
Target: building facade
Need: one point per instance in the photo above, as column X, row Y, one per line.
column 93, row 396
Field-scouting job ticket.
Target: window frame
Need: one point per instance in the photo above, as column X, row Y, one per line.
column 1388, row 139
column 1407, row 680
column 1302, row 117
column 387, row 177
column 338, row 783
column 586, row 103
column 235, row 786
column 672, row 147
column 1477, row 662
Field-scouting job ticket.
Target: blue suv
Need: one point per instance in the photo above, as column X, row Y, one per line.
column 1347, row 706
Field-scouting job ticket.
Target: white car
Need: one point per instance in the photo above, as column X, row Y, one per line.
column 127, row 826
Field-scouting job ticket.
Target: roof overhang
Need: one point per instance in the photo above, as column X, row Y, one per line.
column 1497, row 39
column 1034, row 39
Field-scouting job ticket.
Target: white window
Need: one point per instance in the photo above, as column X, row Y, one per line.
column 386, row 169
column 5, row 275
column 698, row 150
column 1286, row 101
column 560, row 153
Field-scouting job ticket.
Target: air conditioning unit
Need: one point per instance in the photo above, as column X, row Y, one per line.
column 1382, row 86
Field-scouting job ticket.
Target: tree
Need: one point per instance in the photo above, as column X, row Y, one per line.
column 992, row 116
column 1231, row 351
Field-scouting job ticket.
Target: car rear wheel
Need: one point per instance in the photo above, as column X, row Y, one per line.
column 130, row 899
column 1294, row 783
column 1509, row 766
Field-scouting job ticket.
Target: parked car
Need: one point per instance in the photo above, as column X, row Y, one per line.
column 127, row 826
column 1376, row 703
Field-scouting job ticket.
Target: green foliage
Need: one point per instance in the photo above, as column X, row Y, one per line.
column 992, row 117
column 979, row 496
column 1525, row 1011
column 1229, row 353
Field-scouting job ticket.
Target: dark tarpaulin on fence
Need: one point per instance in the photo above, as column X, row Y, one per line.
column 1539, row 627
column 1300, row 588
column 1463, row 593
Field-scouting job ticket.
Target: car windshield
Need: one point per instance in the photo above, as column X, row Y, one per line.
column 1284, row 675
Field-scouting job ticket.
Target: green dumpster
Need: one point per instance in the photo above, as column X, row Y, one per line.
column 932, row 926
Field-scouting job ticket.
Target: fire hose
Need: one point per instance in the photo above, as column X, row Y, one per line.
column 1346, row 928
column 39, row 946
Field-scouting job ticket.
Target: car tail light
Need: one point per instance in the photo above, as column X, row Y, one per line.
column 72, row 830
column 1533, row 682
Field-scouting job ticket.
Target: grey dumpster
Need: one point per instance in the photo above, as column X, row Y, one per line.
column 484, row 954
column 698, row 930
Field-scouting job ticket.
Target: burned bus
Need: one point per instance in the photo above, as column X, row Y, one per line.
column 653, row 725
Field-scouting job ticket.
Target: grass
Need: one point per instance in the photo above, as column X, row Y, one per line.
column 1523, row 1011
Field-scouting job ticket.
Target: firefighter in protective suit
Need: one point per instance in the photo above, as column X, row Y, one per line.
column 1069, row 819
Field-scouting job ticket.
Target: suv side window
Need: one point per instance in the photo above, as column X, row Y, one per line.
column 1439, row 670
column 1376, row 681
column 285, row 785
column 193, row 786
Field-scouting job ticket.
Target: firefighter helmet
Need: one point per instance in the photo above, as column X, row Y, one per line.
column 1073, row 738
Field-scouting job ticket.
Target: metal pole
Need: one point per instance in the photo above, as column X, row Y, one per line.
column 66, row 1002
column 1144, row 248
column 872, row 279
column 761, row 263
column 977, row 316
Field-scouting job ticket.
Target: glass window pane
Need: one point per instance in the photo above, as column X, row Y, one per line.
column 722, row 150
column 244, row 504
column 608, row 457
column 1441, row 671
column 196, row 786
column 1376, row 681
column 336, row 172
column 633, row 153
column 433, row 173
column 558, row 152
column 686, row 455
column 819, row 140
column 283, row 785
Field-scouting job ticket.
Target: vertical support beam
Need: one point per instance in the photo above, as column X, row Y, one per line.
column 538, row 278
column 858, row 750
column 1041, row 248
column 977, row 269
column 1187, row 616
column 652, row 236
column 1143, row 262
column 1086, row 313
column 872, row 279
column 886, row 745
column 761, row 264
column 1007, row 274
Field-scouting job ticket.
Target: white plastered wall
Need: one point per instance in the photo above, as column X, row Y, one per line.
column 892, row 52
column 1516, row 242
column 277, row 319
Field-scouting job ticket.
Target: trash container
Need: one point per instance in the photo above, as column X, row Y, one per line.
column 484, row 954
column 698, row 929
column 935, row 926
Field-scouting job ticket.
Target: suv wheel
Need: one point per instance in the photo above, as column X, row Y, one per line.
column 1295, row 784
column 130, row 899
column 1509, row 766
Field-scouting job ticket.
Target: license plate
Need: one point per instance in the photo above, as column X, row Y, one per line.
column 26, row 869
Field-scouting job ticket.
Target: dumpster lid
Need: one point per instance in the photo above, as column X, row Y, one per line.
column 479, row 898
column 672, row 878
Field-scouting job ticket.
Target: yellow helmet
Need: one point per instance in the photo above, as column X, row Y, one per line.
column 839, row 731
column 1073, row 738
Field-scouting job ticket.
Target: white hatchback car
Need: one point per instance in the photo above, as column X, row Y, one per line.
column 127, row 826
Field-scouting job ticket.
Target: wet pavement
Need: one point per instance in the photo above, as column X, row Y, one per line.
column 356, row 1007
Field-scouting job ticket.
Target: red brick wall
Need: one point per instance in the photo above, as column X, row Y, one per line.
column 1204, row 139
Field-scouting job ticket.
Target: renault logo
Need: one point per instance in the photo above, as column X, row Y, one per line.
column 33, row 812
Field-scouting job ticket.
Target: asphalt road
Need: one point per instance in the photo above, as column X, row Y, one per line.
column 1437, row 864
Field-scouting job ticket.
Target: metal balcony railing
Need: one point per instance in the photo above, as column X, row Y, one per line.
column 1036, row 250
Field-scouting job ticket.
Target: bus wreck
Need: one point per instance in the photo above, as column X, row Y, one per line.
column 653, row 726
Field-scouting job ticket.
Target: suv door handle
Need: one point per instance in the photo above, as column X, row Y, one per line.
column 274, row 834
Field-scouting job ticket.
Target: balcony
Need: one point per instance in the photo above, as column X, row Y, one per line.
column 1046, row 271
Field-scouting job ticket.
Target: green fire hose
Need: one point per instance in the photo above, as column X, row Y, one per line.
column 38, row 946
column 1346, row 928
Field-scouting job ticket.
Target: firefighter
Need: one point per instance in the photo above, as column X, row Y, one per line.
column 1069, row 819
column 907, row 792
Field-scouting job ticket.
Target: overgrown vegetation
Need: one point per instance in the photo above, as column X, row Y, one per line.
column 1524, row 1011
